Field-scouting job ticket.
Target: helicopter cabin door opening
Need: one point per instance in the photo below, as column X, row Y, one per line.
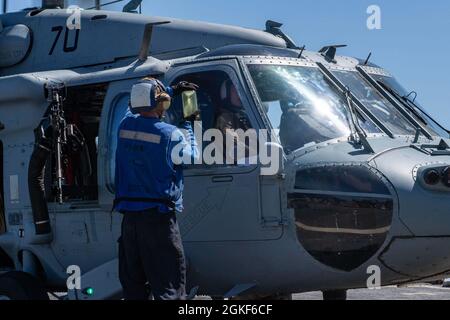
column 82, row 110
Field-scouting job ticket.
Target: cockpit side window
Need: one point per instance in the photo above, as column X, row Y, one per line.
column 221, row 108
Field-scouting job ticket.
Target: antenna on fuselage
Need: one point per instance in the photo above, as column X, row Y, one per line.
column 329, row 52
column 368, row 59
column 5, row 6
column 300, row 55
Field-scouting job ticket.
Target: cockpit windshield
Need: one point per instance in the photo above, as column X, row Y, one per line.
column 412, row 105
column 387, row 113
column 302, row 106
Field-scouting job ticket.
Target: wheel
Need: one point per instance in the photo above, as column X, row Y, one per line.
column 337, row 295
column 18, row 285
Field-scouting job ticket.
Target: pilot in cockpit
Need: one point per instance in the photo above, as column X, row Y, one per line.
column 231, row 116
column 298, row 125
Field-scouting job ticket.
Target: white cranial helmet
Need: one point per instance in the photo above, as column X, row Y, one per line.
column 146, row 95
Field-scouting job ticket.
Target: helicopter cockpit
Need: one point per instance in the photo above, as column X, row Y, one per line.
column 305, row 106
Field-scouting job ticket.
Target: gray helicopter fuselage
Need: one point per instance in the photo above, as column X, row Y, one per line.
column 243, row 232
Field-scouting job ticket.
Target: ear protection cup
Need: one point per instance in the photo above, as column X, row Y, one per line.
column 146, row 95
column 165, row 99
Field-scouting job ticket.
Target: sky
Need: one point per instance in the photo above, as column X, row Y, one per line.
column 412, row 44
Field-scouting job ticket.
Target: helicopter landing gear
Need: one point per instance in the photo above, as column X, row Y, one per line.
column 336, row 295
column 16, row 285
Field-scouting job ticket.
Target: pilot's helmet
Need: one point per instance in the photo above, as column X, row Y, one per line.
column 147, row 94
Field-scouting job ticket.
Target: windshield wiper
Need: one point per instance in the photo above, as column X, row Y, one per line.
column 404, row 101
column 413, row 102
column 341, row 89
column 357, row 135
column 400, row 106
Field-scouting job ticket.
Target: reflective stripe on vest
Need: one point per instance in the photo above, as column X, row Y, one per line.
column 140, row 136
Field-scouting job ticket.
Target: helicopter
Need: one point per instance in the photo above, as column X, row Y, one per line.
column 363, row 177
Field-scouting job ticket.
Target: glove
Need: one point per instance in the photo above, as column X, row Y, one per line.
column 195, row 117
column 184, row 86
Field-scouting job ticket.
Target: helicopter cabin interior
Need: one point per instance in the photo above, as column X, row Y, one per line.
column 82, row 108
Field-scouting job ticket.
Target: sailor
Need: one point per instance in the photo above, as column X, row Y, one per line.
column 149, row 193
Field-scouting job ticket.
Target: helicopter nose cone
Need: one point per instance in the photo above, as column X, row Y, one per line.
column 391, row 211
column 422, row 184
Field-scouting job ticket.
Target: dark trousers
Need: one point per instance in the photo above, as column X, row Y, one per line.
column 151, row 257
